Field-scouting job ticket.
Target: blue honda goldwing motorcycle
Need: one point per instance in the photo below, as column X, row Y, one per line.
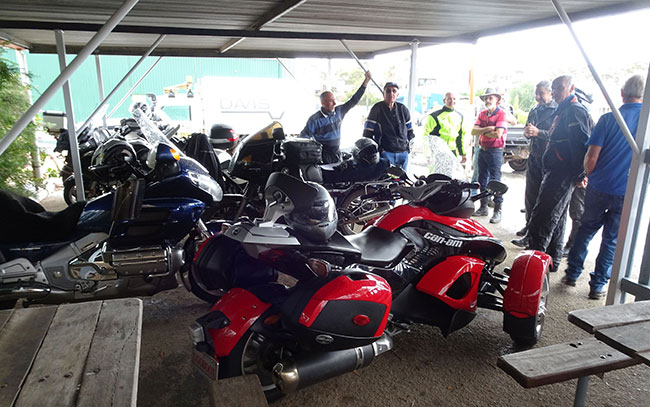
column 129, row 242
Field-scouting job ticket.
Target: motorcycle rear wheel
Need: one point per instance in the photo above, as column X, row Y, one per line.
column 530, row 338
column 254, row 354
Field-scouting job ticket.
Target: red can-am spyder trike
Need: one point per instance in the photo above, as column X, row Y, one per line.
column 424, row 262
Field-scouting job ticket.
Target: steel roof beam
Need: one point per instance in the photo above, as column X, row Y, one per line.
column 268, row 17
column 140, row 29
column 101, row 33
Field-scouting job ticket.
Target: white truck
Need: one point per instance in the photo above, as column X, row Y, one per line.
column 245, row 104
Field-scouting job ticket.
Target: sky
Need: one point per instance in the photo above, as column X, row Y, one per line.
column 614, row 44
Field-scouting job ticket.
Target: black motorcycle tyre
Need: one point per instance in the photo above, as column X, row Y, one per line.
column 533, row 335
column 351, row 203
column 253, row 354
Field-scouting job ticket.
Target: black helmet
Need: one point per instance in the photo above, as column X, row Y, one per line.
column 111, row 157
column 316, row 221
column 222, row 136
column 365, row 150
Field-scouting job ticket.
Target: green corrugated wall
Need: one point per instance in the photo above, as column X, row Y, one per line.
column 44, row 68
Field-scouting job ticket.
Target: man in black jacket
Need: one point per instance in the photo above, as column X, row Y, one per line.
column 536, row 130
column 563, row 169
column 389, row 124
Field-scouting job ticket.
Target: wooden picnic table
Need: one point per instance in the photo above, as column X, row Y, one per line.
column 83, row 354
column 624, row 327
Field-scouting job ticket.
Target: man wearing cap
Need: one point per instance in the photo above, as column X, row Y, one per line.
column 492, row 127
column 389, row 124
column 325, row 125
column 563, row 169
column 447, row 123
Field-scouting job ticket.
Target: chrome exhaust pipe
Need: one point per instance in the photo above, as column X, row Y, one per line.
column 290, row 376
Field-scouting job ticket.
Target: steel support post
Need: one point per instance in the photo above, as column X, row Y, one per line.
column 115, row 89
column 617, row 115
column 630, row 226
column 353, row 55
column 69, row 111
column 413, row 76
column 94, row 42
column 637, row 184
column 135, row 85
column 100, row 84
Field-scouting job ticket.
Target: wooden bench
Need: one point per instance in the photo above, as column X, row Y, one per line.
column 84, row 354
column 558, row 363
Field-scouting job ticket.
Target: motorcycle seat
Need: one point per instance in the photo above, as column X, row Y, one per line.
column 378, row 247
column 24, row 220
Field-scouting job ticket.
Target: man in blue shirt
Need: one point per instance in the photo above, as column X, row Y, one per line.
column 607, row 164
column 325, row 125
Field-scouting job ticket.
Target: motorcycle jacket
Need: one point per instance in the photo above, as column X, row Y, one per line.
column 541, row 117
column 447, row 124
column 567, row 137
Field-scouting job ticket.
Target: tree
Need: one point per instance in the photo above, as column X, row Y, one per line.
column 15, row 170
column 352, row 81
column 524, row 94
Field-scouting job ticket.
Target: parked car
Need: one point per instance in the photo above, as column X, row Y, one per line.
column 516, row 149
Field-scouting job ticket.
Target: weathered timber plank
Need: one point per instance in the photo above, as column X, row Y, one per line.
column 20, row 339
column 594, row 319
column 111, row 374
column 240, row 391
column 644, row 357
column 629, row 339
column 562, row 362
column 58, row 367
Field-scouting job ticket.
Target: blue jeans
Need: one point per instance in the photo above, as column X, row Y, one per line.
column 601, row 210
column 489, row 168
column 399, row 159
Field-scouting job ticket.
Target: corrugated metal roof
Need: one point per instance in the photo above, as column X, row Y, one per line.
column 308, row 28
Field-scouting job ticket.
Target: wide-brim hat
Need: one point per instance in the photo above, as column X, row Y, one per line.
column 488, row 92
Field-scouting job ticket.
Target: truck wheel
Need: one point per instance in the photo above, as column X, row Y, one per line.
column 518, row 165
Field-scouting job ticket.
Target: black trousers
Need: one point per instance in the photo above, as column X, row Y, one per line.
column 548, row 218
column 576, row 209
column 534, row 176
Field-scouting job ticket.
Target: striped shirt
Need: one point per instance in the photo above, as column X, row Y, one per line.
column 325, row 127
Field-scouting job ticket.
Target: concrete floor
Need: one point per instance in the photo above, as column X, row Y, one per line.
column 424, row 368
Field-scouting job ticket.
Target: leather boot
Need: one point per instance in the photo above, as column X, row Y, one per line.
column 496, row 215
column 483, row 209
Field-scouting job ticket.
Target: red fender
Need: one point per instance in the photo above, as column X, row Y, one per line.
column 441, row 277
column 525, row 283
column 242, row 309
column 404, row 214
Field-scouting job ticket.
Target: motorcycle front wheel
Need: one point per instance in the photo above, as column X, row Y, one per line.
column 530, row 334
column 255, row 354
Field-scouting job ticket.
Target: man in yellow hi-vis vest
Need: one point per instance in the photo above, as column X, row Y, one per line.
column 447, row 123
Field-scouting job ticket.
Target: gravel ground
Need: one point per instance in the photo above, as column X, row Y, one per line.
column 423, row 369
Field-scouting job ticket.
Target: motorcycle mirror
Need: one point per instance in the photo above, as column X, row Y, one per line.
column 497, row 188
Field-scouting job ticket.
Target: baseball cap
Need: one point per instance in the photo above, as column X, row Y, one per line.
column 393, row 84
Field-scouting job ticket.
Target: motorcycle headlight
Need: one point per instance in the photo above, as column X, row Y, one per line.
column 207, row 184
